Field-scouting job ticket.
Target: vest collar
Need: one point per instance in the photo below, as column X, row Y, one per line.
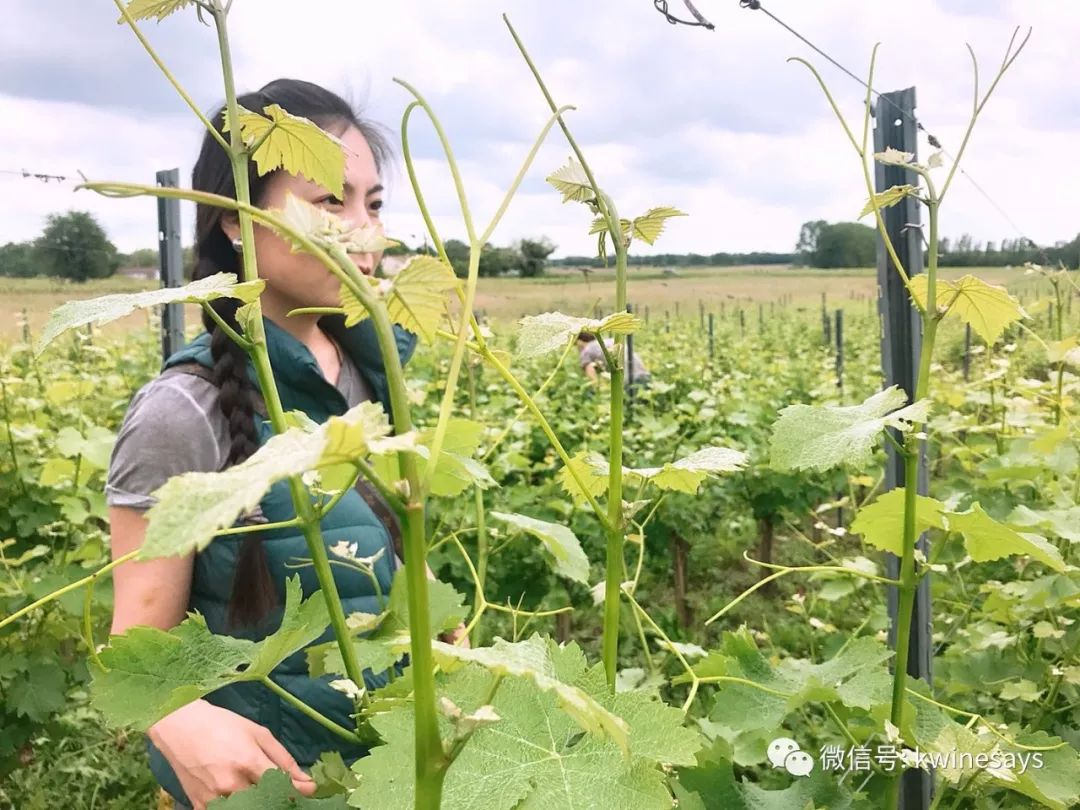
column 300, row 380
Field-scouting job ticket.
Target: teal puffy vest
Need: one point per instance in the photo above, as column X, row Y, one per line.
column 301, row 386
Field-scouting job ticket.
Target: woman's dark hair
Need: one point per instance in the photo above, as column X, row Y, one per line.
column 588, row 337
column 253, row 591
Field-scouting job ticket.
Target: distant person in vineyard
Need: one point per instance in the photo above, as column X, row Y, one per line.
column 204, row 413
column 592, row 360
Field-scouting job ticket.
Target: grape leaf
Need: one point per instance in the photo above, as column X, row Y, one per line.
column 551, row 331
column 38, row 694
column 158, row 9
column 294, row 144
column 328, row 230
column 1064, row 523
column 530, row 659
column 193, row 507
column 855, row 677
column 385, row 643
column 819, row 437
column 572, row 182
column 985, row 539
column 275, row 791
column 457, row 469
column 150, row 672
column 650, row 225
column 988, row 308
column 647, row 227
column 591, row 468
column 108, row 308
column 560, row 542
column 1055, row 782
column 888, row 198
column 882, row 523
column 684, row 475
column 535, row 757
column 711, row 785
column 415, row 298
column 894, row 157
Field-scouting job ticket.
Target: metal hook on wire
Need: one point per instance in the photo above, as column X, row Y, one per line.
column 699, row 19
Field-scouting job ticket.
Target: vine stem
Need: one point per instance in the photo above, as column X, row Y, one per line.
column 908, row 579
column 305, row 511
column 314, row 714
column 168, row 74
column 71, row 586
column 615, row 524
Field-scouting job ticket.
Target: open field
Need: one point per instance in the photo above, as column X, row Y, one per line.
column 510, row 298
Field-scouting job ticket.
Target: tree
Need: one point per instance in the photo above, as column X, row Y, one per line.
column 808, row 239
column 17, row 260
column 74, row 246
column 534, row 255
column 458, row 254
column 845, row 244
column 143, row 257
column 499, row 261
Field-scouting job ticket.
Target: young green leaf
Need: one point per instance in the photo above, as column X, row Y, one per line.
column 328, row 230
column 415, row 298
column 193, row 507
column 295, row 144
column 882, row 523
column 108, row 308
column 572, row 182
column 687, row 474
column 150, row 672
column 684, row 475
column 647, row 227
column 988, row 308
column 158, row 9
column 551, row 331
column 650, row 225
column 457, row 469
column 888, row 198
column 985, row 539
column 591, row 468
column 894, row 157
column 819, row 437
column 275, row 791
column 561, row 543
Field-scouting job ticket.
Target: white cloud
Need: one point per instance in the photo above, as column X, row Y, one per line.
column 714, row 123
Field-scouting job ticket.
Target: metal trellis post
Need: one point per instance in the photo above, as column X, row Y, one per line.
column 901, row 341
column 171, row 262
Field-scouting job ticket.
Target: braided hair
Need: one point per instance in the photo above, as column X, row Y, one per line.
column 253, row 591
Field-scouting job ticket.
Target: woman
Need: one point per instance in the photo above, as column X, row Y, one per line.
column 203, row 413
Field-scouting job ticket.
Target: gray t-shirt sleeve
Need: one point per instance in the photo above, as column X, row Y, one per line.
column 172, row 426
column 592, row 353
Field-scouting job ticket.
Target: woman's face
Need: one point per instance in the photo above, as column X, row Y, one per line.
column 299, row 279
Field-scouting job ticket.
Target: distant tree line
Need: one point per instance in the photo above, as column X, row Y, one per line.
column 850, row 244
column 74, row 246
column 964, row 252
column 526, row 258
column 681, row 260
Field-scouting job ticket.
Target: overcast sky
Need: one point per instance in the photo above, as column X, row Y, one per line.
column 716, row 123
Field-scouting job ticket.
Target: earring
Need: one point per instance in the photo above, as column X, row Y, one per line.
column 238, row 244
